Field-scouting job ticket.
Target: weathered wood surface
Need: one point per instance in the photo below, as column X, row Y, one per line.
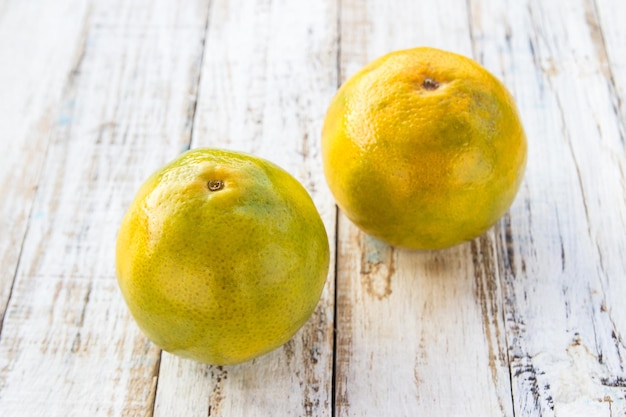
column 527, row 320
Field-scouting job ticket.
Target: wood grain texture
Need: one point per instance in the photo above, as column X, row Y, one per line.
column 37, row 57
column 419, row 333
column 264, row 89
column 563, row 269
column 68, row 345
column 612, row 34
column 609, row 31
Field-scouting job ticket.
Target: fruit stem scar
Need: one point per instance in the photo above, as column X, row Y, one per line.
column 430, row 84
column 215, row 185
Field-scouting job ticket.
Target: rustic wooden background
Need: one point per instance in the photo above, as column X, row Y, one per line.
column 527, row 320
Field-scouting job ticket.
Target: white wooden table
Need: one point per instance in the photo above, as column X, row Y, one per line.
column 527, row 320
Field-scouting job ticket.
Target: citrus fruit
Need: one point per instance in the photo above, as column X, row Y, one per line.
column 221, row 257
column 423, row 148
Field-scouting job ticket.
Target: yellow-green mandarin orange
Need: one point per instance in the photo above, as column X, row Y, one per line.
column 221, row 257
column 423, row 148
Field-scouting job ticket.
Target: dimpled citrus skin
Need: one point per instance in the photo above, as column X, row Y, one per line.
column 221, row 257
column 423, row 149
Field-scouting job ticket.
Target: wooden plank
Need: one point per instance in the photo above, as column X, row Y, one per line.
column 418, row 332
column 605, row 23
column 269, row 71
column 37, row 57
column 563, row 248
column 608, row 30
column 68, row 345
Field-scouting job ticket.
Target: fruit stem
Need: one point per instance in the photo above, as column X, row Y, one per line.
column 430, row 84
column 215, row 185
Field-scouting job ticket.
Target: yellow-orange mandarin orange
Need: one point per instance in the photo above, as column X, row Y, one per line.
column 423, row 148
column 221, row 257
